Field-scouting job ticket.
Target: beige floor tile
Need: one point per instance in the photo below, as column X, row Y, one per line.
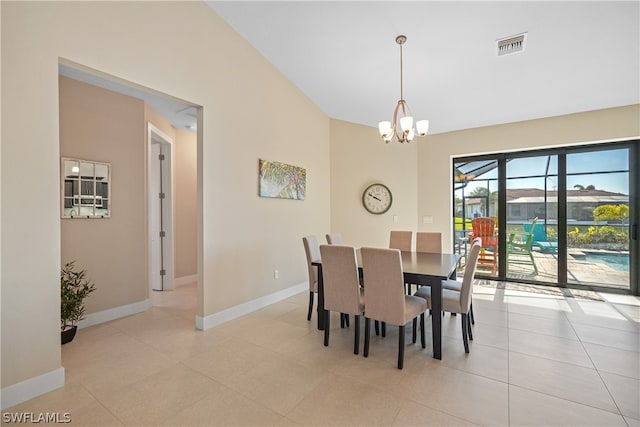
column 112, row 371
column 224, row 407
column 470, row 397
column 488, row 316
column 490, row 301
column 157, row 397
column 632, row 422
column 414, row 414
column 229, row 360
column 625, row 392
column 483, row 360
column 341, row 401
column 530, row 408
column 566, row 381
column 94, row 414
column 71, row 398
column 537, row 305
column 485, row 334
column 277, row 383
column 600, row 314
column 609, row 359
column 623, row 340
column 549, row 347
column 183, row 344
column 558, row 326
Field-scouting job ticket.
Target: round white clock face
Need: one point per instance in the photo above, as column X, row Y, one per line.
column 377, row 199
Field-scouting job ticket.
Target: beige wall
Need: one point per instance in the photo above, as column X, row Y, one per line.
column 360, row 158
column 436, row 151
column 185, row 214
column 249, row 111
column 99, row 125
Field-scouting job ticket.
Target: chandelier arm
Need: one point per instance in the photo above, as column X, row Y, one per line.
column 394, row 126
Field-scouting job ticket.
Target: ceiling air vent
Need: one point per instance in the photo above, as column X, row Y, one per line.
column 511, row 44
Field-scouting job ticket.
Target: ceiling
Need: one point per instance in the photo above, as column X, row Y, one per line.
column 579, row 56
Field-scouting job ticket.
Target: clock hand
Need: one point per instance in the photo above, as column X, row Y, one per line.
column 375, row 197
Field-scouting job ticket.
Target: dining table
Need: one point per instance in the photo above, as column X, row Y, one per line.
column 419, row 268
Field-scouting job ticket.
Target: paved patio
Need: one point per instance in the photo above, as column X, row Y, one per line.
column 580, row 271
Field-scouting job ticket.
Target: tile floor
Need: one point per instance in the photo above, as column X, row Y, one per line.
column 537, row 359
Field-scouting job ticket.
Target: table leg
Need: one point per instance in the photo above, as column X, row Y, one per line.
column 436, row 317
column 321, row 310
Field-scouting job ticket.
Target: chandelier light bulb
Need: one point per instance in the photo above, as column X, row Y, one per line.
column 422, row 127
column 406, row 123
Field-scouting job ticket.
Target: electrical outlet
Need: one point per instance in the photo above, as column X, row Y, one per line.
column 276, row 274
column 395, row 219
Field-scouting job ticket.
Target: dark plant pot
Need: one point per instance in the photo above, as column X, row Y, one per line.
column 68, row 334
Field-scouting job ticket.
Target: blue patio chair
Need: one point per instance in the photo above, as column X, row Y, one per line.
column 540, row 239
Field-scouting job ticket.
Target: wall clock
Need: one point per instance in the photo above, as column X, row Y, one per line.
column 377, row 199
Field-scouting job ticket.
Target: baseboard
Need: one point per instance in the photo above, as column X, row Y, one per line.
column 114, row 313
column 185, row 280
column 215, row 319
column 33, row 387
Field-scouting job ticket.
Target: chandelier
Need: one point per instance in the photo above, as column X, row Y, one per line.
column 402, row 129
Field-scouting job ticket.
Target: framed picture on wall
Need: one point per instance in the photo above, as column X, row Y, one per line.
column 281, row 180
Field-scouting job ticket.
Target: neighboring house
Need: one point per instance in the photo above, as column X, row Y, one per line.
column 526, row 203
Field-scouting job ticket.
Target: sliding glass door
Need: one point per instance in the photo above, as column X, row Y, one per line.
column 598, row 218
column 563, row 217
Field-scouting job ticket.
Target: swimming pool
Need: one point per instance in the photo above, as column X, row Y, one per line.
column 617, row 261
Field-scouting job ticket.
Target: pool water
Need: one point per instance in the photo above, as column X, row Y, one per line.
column 618, row 262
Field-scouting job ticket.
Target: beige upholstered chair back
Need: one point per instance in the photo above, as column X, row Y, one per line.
column 469, row 273
column 341, row 279
column 334, row 239
column 429, row 242
column 383, row 285
column 312, row 251
column 401, row 240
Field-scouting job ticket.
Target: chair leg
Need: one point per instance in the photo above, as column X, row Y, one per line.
column 473, row 319
column 384, row 329
column 469, row 332
column 401, row 347
column 422, row 337
column 415, row 332
column 377, row 327
column 346, row 320
column 463, row 321
column 327, row 326
column 310, row 305
column 367, row 323
column 356, row 334
column 341, row 320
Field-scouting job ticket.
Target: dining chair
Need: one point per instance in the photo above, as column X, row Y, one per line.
column 456, row 285
column 334, row 239
column 385, row 297
column 342, row 291
column 429, row 242
column 458, row 301
column 312, row 251
column 485, row 228
column 402, row 240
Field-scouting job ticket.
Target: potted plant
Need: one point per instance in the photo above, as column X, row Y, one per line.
column 74, row 288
